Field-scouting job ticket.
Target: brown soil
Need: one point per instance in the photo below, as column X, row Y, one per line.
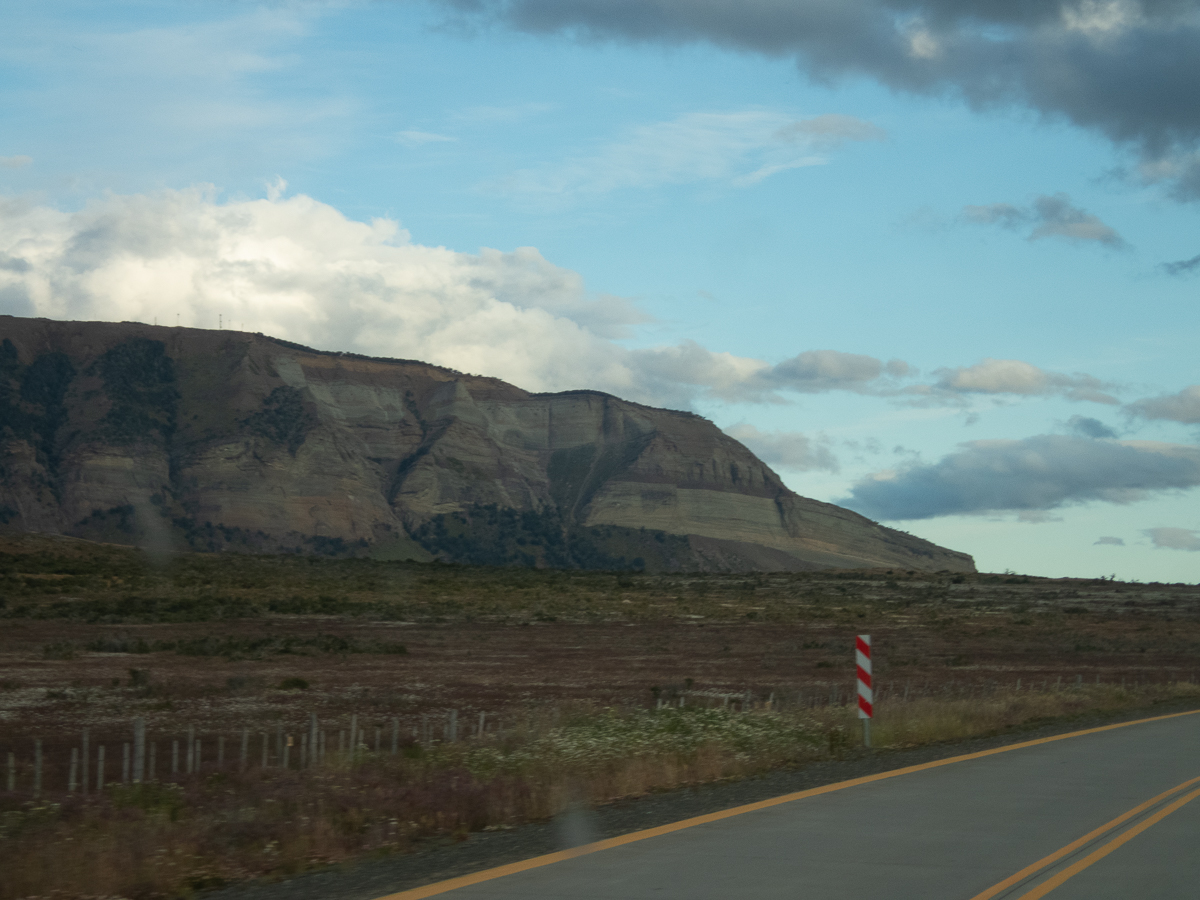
column 501, row 641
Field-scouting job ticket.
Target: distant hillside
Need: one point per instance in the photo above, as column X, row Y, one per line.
column 180, row 438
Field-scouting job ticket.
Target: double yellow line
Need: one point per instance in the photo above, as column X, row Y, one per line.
column 537, row 862
column 1100, row 852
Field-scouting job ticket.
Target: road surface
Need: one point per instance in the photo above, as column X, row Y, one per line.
column 1102, row 814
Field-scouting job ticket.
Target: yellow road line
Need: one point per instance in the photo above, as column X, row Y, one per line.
column 442, row 887
column 1051, row 883
column 1075, row 845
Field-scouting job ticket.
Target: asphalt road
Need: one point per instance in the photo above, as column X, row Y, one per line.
column 973, row 829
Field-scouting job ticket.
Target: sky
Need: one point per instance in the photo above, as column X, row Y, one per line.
column 934, row 261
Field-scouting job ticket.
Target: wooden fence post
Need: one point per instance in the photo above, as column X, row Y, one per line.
column 100, row 768
column 139, row 750
column 84, row 759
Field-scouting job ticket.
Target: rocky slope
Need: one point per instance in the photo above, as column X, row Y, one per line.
column 178, row 437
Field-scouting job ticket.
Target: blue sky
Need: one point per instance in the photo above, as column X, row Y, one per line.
column 953, row 291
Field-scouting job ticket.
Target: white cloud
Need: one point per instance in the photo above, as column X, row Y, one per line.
column 767, row 171
column 1182, row 407
column 417, row 138
column 1014, row 376
column 740, row 148
column 831, row 131
column 1174, row 538
column 715, row 374
column 1125, row 69
column 1003, row 214
column 14, row 162
column 815, row 371
column 298, row 269
column 1056, row 217
column 1048, row 216
column 786, row 449
column 196, row 94
column 1108, row 539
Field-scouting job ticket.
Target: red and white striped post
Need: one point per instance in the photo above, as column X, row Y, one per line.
column 866, row 699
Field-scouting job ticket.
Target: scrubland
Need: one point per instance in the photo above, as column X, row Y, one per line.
column 592, row 687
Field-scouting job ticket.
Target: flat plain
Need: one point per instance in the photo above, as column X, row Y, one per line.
column 562, row 687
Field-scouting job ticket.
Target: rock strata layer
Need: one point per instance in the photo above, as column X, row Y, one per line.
column 178, row 438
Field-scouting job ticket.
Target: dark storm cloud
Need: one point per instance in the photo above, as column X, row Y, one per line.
column 1124, row 68
column 1089, row 427
column 1182, row 266
column 1037, row 473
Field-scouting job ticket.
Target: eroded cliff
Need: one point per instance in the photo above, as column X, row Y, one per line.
column 174, row 437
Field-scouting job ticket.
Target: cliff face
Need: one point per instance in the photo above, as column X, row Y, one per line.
column 176, row 437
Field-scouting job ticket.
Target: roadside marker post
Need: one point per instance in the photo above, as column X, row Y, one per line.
column 866, row 699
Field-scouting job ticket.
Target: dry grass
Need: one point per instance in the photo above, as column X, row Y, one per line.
column 171, row 839
column 562, row 664
column 929, row 720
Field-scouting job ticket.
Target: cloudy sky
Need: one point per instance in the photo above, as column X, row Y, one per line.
column 935, row 260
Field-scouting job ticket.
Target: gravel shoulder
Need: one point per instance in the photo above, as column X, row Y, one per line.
column 435, row 861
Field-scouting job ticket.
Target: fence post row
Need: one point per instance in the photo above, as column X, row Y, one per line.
column 139, row 758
